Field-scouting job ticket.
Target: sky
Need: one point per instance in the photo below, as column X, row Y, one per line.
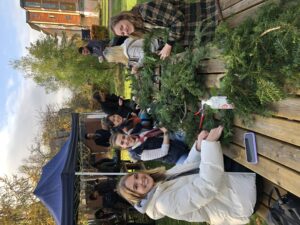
column 20, row 99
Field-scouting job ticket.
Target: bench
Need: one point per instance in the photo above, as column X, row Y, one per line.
column 277, row 136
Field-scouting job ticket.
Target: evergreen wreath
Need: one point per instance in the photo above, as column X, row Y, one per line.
column 262, row 58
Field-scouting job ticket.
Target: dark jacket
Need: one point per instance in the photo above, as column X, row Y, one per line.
column 176, row 149
column 97, row 47
column 102, row 137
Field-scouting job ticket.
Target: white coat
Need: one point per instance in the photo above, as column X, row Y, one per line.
column 133, row 50
column 214, row 196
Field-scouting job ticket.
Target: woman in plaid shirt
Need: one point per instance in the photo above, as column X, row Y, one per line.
column 180, row 18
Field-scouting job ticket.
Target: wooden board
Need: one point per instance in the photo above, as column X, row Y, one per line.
column 280, row 152
column 288, row 108
column 278, row 174
column 268, row 186
column 228, row 3
column 237, row 19
column 240, row 7
column 281, row 129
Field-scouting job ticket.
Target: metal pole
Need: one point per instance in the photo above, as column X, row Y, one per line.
column 98, row 173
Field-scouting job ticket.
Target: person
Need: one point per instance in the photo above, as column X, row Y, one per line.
column 94, row 48
column 102, row 215
column 197, row 191
column 130, row 53
column 100, row 137
column 111, row 103
column 132, row 124
column 150, row 145
column 107, row 165
column 181, row 19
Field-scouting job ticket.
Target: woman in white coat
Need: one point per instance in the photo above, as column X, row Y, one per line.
column 197, row 191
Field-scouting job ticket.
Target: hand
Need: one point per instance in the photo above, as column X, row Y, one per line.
column 202, row 136
column 164, row 130
column 214, row 134
column 165, row 52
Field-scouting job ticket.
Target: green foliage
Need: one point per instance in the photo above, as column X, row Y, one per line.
column 174, row 101
column 262, row 58
column 55, row 63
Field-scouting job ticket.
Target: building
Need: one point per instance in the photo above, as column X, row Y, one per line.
column 57, row 16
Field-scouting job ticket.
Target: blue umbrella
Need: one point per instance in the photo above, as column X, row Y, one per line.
column 56, row 188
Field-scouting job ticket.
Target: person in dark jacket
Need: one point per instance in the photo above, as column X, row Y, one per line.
column 111, row 104
column 96, row 47
column 132, row 124
column 101, row 137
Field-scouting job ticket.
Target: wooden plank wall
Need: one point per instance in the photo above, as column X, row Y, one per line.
column 277, row 136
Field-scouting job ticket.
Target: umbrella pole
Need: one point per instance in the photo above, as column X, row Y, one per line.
column 98, row 173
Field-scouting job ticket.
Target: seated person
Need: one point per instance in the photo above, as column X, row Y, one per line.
column 96, row 47
column 132, row 124
column 111, row 103
column 107, row 165
column 197, row 191
column 102, row 215
column 151, row 145
column 100, row 137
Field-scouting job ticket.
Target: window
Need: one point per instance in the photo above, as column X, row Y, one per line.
column 68, row 17
column 33, row 4
column 49, row 5
column 68, row 6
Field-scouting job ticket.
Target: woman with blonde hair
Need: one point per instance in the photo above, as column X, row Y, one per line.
column 115, row 54
column 155, row 144
column 196, row 191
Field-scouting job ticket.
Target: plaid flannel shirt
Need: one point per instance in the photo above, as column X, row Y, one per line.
column 165, row 14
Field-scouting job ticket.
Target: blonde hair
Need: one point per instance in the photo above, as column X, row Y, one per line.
column 158, row 174
column 134, row 18
column 115, row 54
column 113, row 139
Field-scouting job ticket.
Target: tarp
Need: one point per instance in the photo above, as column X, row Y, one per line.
column 56, row 188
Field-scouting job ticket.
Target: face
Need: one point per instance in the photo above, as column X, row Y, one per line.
column 85, row 51
column 139, row 183
column 116, row 119
column 125, row 141
column 96, row 195
column 123, row 28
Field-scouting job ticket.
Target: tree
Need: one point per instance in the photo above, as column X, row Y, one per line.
column 17, row 204
column 53, row 63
